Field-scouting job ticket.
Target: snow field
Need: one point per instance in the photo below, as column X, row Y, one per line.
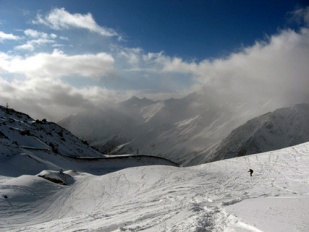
column 219, row 196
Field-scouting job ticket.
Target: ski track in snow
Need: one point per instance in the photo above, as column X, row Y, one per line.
column 161, row 198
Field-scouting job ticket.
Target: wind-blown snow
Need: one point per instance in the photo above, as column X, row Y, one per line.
column 218, row 196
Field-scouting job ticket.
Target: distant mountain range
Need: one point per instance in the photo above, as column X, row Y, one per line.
column 180, row 130
column 189, row 131
column 173, row 129
column 52, row 181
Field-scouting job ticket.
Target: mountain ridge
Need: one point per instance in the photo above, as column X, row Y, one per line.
column 19, row 132
column 281, row 128
column 187, row 130
column 39, row 145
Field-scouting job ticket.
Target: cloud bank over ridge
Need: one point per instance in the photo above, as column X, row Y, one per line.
column 48, row 72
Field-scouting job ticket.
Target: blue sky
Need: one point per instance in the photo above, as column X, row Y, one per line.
column 75, row 54
column 188, row 29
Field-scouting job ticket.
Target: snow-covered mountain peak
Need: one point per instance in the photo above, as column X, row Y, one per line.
column 137, row 102
column 282, row 128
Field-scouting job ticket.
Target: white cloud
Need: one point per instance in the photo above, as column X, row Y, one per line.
column 138, row 60
column 58, row 64
column 4, row 36
column 273, row 69
column 53, row 36
column 31, row 44
column 132, row 55
column 37, row 39
column 64, row 38
column 301, row 15
column 27, row 46
column 52, row 99
column 61, row 19
column 37, row 34
column 176, row 65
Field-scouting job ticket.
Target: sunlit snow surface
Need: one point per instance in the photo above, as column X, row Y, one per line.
column 219, row 196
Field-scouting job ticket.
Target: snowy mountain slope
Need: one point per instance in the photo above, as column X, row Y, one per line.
column 218, row 196
column 282, row 128
column 104, row 128
column 20, row 133
column 40, row 145
column 35, row 161
column 177, row 129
